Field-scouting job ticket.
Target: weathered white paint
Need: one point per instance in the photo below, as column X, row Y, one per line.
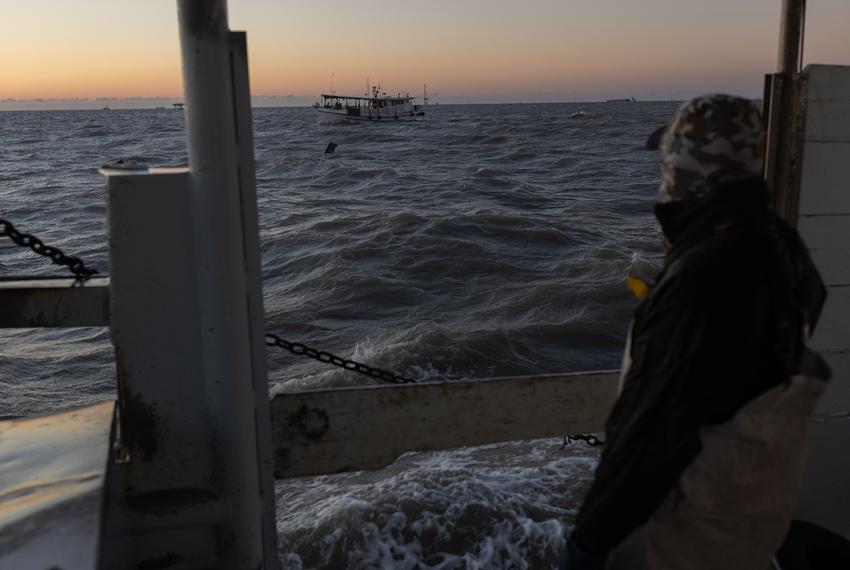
column 828, row 107
column 165, row 447
column 63, row 302
column 329, row 431
column 51, row 478
column 825, row 226
column 826, row 172
column 154, row 315
column 192, row 484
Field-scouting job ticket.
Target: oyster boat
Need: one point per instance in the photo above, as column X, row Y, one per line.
column 375, row 107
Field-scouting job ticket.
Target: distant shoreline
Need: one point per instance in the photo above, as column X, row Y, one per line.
column 116, row 106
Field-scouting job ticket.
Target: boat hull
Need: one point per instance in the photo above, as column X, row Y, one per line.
column 330, row 116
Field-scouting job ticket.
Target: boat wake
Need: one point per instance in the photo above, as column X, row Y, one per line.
column 496, row 506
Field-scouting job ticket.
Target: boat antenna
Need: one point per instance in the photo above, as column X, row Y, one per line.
column 367, row 86
column 332, row 83
column 424, row 93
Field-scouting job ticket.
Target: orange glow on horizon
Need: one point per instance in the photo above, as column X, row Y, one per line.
column 120, row 48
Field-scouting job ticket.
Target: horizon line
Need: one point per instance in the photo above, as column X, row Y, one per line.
column 302, row 106
column 279, row 104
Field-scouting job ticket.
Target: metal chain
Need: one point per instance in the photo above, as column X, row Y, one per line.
column 589, row 439
column 328, row 358
column 75, row 264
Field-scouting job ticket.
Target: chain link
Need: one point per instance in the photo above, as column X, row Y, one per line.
column 589, row 439
column 328, row 358
column 75, row 264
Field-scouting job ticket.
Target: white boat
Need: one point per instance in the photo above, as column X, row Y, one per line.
column 375, row 107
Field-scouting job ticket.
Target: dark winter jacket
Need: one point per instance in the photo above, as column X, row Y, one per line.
column 723, row 324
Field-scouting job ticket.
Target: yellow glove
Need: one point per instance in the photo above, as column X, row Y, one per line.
column 641, row 277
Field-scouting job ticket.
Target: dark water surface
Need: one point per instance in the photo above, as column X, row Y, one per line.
column 490, row 240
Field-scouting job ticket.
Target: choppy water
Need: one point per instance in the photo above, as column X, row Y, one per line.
column 490, row 240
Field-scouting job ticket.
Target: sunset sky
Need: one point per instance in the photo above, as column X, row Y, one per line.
column 465, row 50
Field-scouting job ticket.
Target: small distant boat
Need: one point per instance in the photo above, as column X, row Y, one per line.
column 626, row 100
column 375, row 107
column 106, row 108
column 177, row 106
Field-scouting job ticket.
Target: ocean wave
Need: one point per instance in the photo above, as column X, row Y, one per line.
column 496, row 506
column 488, row 241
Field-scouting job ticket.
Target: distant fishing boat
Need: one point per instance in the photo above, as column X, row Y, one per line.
column 626, row 100
column 375, row 107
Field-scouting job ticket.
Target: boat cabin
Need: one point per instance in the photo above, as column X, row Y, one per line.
column 377, row 105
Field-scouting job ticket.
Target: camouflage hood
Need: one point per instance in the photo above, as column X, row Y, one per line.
column 710, row 141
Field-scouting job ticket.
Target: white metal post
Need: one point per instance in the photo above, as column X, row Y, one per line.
column 783, row 120
column 824, row 224
column 191, row 484
column 232, row 325
column 791, row 36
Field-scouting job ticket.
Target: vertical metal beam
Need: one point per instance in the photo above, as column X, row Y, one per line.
column 192, row 485
column 784, row 119
column 791, row 36
column 227, row 265
column 252, row 266
column 162, row 502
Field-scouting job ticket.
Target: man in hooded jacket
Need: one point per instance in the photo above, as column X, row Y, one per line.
column 704, row 446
